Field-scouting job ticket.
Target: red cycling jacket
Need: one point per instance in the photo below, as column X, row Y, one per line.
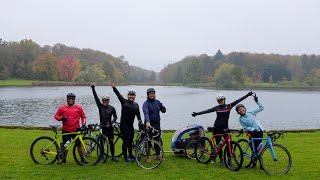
column 73, row 114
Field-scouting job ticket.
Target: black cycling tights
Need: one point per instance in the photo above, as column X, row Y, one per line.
column 127, row 144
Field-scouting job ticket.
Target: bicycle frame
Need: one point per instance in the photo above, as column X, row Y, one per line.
column 58, row 140
column 227, row 141
column 268, row 142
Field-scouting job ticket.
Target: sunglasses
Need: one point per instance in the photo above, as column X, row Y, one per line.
column 71, row 98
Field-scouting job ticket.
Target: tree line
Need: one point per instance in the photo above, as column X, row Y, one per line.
column 237, row 69
column 28, row 60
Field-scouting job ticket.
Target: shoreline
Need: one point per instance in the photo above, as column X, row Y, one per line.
column 166, row 131
column 251, row 86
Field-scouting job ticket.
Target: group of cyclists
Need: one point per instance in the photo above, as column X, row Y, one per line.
column 71, row 113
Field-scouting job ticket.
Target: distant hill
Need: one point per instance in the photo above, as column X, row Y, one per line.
column 28, row 60
column 237, row 69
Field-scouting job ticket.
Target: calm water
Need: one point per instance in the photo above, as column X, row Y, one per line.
column 36, row 106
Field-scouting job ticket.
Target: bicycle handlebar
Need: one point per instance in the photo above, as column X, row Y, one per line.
column 240, row 132
column 275, row 135
column 155, row 133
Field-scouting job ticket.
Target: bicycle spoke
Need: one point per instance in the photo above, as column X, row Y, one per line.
column 278, row 166
column 247, row 151
column 90, row 152
column 204, row 150
column 44, row 150
column 149, row 154
column 234, row 160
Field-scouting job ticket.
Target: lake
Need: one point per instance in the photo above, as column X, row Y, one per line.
column 284, row 110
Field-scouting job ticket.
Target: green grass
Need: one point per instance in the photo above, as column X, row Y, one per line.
column 15, row 82
column 15, row 162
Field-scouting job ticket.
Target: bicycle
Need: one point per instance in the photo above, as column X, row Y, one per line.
column 148, row 152
column 274, row 159
column 207, row 150
column 191, row 145
column 117, row 141
column 46, row 150
column 101, row 139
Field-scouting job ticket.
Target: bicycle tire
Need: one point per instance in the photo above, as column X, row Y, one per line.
column 204, row 150
column 190, row 149
column 93, row 152
column 104, row 143
column 283, row 163
column 247, row 152
column 40, row 148
column 146, row 150
column 233, row 162
column 117, row 142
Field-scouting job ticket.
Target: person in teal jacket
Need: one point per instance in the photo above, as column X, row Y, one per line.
column 249, row 122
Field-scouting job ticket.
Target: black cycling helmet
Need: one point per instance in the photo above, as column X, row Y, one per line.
column 239, row 106
column 150, row 90
column 71, row 95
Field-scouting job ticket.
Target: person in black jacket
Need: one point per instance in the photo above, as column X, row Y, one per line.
column 129, row 110
column 106, row 111
column 222, row 119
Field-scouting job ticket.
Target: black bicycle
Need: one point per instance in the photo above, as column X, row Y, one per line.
column 101, row 138
column 148, row 152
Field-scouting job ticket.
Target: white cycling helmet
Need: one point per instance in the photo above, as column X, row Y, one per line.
column 133, row 92
column 105, row 98
column 220, row 97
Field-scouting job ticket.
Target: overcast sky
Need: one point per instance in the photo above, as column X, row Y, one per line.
column 151, row 34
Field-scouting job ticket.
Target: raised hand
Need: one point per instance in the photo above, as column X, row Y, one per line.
column 111, row 84
column 194, row 114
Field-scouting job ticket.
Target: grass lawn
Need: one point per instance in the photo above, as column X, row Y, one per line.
column 15, row 82
column 15, row 162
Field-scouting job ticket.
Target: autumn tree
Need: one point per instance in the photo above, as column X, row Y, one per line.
column 45, row 67
column 92, row 73
column 228, row 76
column 69, row 68
column 27, row 52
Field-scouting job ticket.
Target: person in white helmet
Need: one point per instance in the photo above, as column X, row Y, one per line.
column 129, row 110
column 222, row 119
column 106, row 111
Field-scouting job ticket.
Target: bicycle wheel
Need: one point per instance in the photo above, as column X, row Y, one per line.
column 204, row 150
column 104, row 143
column 278, row 166
column 190, row 149
column 44, row 150
column 91, row 149
column 234, row 159
column 117, row 141
column 247, row 151
column 146, row 154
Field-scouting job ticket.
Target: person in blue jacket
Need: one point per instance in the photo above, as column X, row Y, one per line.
column 249, row 122
column 151, row 110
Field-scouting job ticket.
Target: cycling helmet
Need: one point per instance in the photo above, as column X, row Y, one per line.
column 150, row 90
column 239, row 106
column 105, row 98
column 133, row 92
column 71, row 95
column 220, row 97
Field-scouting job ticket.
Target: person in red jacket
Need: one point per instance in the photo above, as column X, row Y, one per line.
column 70, row 115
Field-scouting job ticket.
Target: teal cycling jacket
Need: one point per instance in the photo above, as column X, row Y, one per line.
column 249, row 122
